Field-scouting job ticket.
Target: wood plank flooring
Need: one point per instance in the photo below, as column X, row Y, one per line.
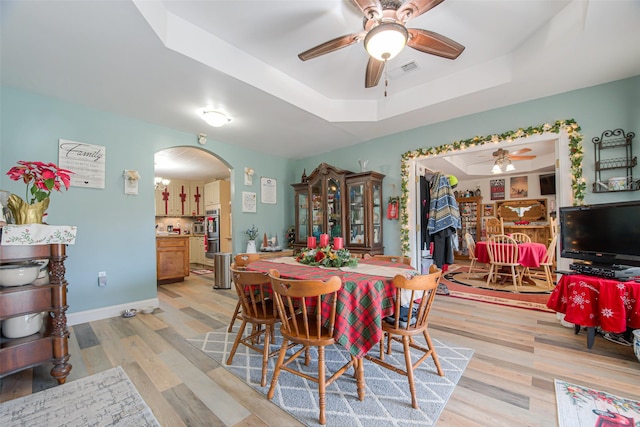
column 508, row 382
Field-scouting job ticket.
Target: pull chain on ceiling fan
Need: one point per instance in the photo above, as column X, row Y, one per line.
column 385, row 35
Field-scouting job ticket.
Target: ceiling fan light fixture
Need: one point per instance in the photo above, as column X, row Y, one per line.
column 215, row 118
column 496, row 168
column 510, row 167
column 386, row 40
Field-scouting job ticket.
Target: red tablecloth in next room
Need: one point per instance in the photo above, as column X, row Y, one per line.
column 363, row 301
column 529, row 254
column 593, row 301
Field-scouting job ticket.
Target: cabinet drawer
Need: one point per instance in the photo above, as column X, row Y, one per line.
column 172, row 242
column 26, row 352
column 24, row 299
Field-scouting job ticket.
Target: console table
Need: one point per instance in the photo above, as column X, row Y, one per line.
column 592, row 301
column 30, row 242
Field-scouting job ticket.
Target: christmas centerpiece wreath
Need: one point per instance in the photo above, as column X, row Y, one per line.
column 327, row 257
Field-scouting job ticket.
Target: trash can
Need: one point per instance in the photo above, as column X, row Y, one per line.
column 222, row 277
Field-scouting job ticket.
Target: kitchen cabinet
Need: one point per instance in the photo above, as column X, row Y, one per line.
column 50, row 344
column 196, row 197
column 216, row 193
column 340, row 203
column 172, row 258
column 196, row 250
column 470, row 209
column 180, row 198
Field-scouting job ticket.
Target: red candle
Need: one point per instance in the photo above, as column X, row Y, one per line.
column 311, row 242
column 337, row 243
column 324, row 240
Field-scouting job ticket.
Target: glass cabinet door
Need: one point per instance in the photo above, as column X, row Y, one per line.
column 356, row 214
column 317, row 210
column 303, row 217
column 334, row 210
column 377, row 213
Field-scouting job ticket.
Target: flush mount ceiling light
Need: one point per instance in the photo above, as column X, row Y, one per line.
column 386, row 40
column 215, row 118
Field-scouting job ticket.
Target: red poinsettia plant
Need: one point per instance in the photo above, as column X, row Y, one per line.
column 41, row 179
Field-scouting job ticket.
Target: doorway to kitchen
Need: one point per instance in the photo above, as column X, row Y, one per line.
column 191, row 182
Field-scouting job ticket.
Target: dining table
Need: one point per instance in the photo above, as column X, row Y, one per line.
column 530, row 255
column 592, row 301
column 364, row 300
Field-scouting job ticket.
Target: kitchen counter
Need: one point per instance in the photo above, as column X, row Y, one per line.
column 172, row 258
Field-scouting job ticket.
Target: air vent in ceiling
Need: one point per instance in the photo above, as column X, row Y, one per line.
column 403, row 69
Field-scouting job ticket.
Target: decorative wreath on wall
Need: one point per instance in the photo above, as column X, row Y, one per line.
column 578, row 184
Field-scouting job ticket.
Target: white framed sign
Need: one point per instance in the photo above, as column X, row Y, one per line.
column 268, row 190
column 86, row 161
column 248, row 201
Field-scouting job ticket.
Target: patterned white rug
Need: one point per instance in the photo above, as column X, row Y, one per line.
column 107, row 398
column 387, row 401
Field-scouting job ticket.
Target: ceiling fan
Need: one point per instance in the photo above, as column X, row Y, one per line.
column 501, row 154
column 385, row 35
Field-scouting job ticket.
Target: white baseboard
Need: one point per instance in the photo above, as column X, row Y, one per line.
column 108, row 312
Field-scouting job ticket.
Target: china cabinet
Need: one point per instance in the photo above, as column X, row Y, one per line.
column 50, row 344
column 343, row 204
column 470, row 209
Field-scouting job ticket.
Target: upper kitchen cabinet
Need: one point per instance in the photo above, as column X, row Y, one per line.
column 196, row 190
column 216, row 192
column 343, row 204
column 179, row 199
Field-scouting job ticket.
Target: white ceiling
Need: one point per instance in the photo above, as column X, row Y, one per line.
column 160, row 61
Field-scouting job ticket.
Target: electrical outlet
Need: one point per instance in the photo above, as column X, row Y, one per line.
column 102, row 278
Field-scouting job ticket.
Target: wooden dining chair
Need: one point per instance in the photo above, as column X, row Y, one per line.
column 408, row 322
column 241, row 261
column 259, row 310
column 390, row 258
column 493, row 226
column 520, row 237
column 299, row 305
column 503, row 253
column 471, row 247
column 548, row 263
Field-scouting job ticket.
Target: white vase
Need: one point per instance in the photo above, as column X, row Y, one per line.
column 251, row 247
column 636, row 343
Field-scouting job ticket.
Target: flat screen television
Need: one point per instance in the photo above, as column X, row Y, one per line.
column 604, row 234
column 547, row 184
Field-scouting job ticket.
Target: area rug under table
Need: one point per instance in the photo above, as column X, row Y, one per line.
column 580, row 406
column 387, row 401
column 107, row 398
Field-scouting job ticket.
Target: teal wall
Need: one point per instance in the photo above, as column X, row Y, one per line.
column 116, row 231
column 596, row 109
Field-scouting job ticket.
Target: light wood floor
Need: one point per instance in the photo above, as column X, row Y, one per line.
column 509, row 381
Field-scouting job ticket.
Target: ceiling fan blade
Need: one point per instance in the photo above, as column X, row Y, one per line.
column 331, row 46
column 371, row 9
column 521, row 157
column 413, row 8
column 434, row 43
column 374, row 72
column 520, row 151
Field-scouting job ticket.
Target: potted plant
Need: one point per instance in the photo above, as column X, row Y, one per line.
column 252, row 233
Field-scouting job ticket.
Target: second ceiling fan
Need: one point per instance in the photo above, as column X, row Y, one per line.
column 385, row 34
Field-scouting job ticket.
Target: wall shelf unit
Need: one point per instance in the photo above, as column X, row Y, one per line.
column 614, row 156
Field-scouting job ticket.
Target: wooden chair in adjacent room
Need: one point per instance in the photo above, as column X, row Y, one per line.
column 520, row 237
column 503, row 253
column 259, row 310
column 391, row 258
column 421, row 291
column 548, row 264
column 553, row 226
column 493, row 225
column 241, row 261
column 471, row 247
column 299, row 306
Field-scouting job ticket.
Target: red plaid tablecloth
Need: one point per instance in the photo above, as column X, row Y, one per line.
column 363, row 301
column 593, row 301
